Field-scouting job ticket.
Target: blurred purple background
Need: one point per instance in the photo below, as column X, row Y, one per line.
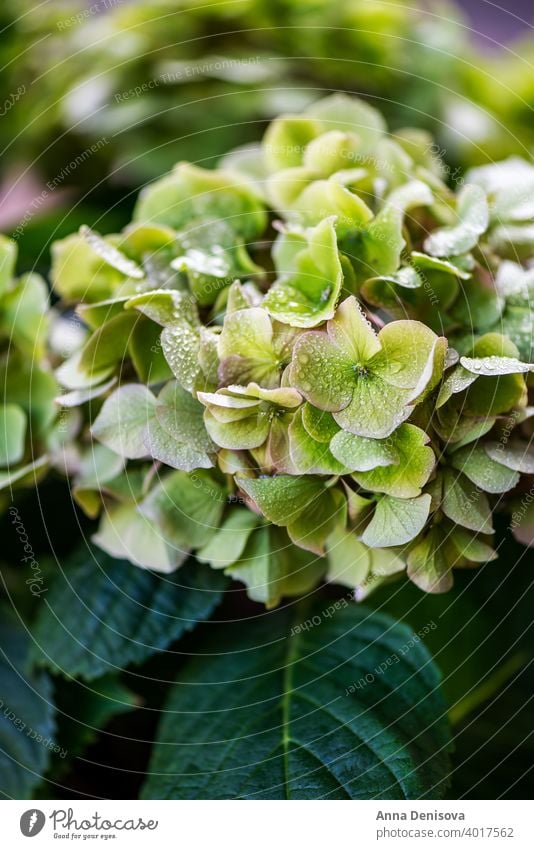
column 496, row 23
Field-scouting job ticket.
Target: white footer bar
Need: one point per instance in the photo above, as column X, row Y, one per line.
column 268, row 825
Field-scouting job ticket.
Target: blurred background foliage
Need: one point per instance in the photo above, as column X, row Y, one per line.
column 101, row 98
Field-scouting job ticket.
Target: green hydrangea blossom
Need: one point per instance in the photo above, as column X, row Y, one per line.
column 313, row 368
column 369, row 381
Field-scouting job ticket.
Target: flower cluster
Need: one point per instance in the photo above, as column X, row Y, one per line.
column 311, row 362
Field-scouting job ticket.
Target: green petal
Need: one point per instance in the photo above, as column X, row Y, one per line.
column 271, row 567
column 8, row 261
column 228, row 543
column 246, row 433
column 95, row 315
column 212, row 259
column 349, row 114
column 515, row 284
column 493, row 365
column 412, row 194
column 146, row 354
column 457, row 429
column 352, row 333
column 473, row 218
column 181, row 347
column 376, row 408
column 349, row 560
column 406, row 348
column 246, row 349
column 470, row 430
column 322, row 372
column 247, row 333
column 428, row 566
column 315, row 524
column 13, row 423
column 456, row 381
column 472, row 546
column 185, row 508
column 396, row 521
column 406, row 477
column 283, row 498
column 518, row 456
column 307, row 294
column 190, row 194
column 511, row 183
column 307, row 454
column 79, row 274
column 178, row 455
column 107, row 347
column 144, row 242
column 331, row 151
column 226, row 407
column 258, row 569
column 359, row 453
column 181, row 416
column 28, row 475
column 491, row 395
column 476, row 306
column 406, row 277
column 283, row 396
column 308, row 509
column 110, row 254
column 516, row 241
column 25, row 315
column 516, row 324
column 166, row 307
column 123, row 419
column 285, row 140
column 324, row 198
column 465, row 503
column 319, row 424
column 128, row 535
column 286, row 247
column 489, row 475
column 98, row 465
column 284, row 187
column 277, row 455
column 376, row 250
column 384, row 563
column 431, row 263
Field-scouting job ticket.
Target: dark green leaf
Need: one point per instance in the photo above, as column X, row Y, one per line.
column 27, row 724
column 282, row 710
column 102, row 614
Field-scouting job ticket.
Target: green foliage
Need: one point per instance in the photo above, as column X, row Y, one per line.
column 27, row 717
column 203, row 72
column 104, row 614
column 326, row 706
